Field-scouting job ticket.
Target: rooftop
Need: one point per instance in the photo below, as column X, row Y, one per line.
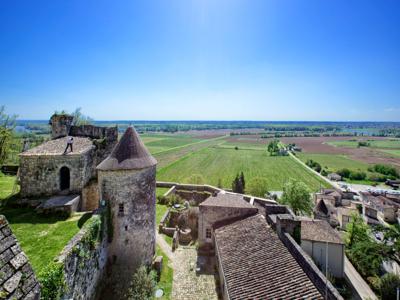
column 319, row 231
column 129, row 154
column 256, row 264
column 227, row 200
column 57, row 147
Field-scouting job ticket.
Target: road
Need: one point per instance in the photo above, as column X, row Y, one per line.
column 332, row 183
column 358, row 283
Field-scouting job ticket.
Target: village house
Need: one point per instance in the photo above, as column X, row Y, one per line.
column 324, row 245
column 385, row 208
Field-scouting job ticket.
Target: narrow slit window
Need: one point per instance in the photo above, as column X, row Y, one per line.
column 208, row 233
column 121, row 209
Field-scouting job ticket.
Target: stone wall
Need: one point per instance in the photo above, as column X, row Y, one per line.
column 90, row 196
column 95, row 132
column 84, row 266
column 310, row 268
column 40, row 175
column 17, row 279
column 131, row 195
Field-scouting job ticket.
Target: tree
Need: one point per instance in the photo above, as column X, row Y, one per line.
column 258, row 186
column 389, row 284
column 356, row 231
column 7, row 125
column 242, row 181
column 80, row 118
column 273, row 147
column 237, row 185
column 142, row 285
column 298, row 197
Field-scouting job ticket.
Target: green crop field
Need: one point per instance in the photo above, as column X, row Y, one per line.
column 391, row 144
column 395, row 152
column 216, row 164
column 162, row 142
column 334, row 162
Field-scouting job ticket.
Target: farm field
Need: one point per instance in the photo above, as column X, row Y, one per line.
column 395, row 152
column 390, row 143
column 216, row 164
column 333, row 162
column 162, row 142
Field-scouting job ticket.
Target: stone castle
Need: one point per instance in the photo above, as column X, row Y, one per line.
column 104, row 173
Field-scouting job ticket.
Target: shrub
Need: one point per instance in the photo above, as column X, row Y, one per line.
column 386, row 170
column 161, row 199
column 52, row 282
column 324, row 172
column 345, row 173
column 142, row 285
column 257, row 186
column 358, row 175
column 389, row 283
column 174, row 199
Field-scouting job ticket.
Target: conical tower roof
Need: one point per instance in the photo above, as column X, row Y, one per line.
column 129, row 154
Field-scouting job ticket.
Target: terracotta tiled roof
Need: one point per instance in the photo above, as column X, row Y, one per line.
column 256, row 264
column 130, row 153
column 226, row 200
column 57, row 147
column 320, row 231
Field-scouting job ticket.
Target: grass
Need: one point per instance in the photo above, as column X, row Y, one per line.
column 41, row 237
column 334, row 162
column 161, row 191
column 166, row 278
column 216, row 164
column 6, row 185
column 390, row 144
column 162, row 142
column 160, row 211
column 395, row 152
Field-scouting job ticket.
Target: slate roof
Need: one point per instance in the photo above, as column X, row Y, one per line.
column 227, row 200
column 319, row 231
column 129, row 154
column 256, row 264
column 57, row 147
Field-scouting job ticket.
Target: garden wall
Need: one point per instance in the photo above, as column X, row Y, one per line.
column 84, row 260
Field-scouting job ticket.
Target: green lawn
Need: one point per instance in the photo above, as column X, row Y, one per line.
column 6, row 185
column 389, row 143
column 219, row 163
column 166, row 277
column 41, row 237
column 160, row 211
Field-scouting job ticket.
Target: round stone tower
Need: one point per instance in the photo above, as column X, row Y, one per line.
column 127, row 184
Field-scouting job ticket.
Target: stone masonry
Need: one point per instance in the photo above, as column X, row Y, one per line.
column 17, row 279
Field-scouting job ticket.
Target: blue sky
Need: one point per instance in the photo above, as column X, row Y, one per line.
column 202, row 60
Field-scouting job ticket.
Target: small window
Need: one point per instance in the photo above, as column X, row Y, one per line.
column 208, row 233
column 121, row 209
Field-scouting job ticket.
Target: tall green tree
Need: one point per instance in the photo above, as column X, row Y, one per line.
column 237, row 185
column 243, row 181
column 273, row 147
column 298, row 197
column 7, row 125
column 356, row 231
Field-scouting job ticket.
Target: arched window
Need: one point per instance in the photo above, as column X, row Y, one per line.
column 64, row 178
